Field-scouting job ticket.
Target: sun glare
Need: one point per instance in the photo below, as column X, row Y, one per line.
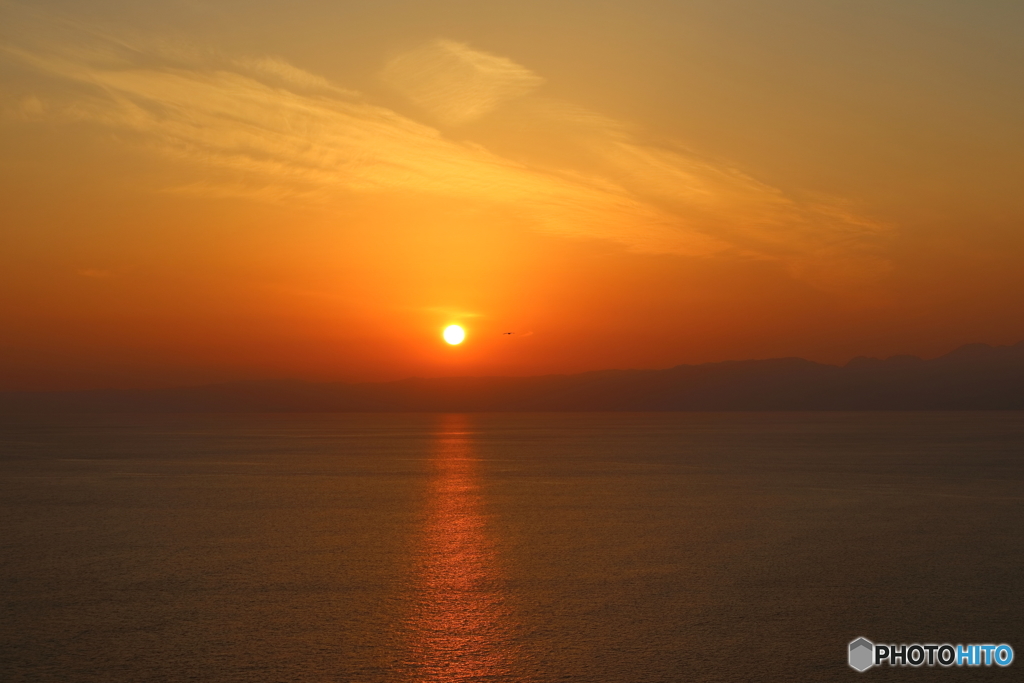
column 453, row 334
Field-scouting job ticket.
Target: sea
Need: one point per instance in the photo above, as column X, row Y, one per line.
column 535, row 548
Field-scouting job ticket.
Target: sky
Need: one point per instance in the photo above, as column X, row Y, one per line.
column 195, row 192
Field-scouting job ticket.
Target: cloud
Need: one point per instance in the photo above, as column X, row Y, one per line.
column 29, row 108
column 276, row 67
column 290, row 135
column 455, row 83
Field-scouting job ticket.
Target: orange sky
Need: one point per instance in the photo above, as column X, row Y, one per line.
column 201, row 192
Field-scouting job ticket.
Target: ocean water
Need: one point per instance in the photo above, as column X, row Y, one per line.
column 599, row 548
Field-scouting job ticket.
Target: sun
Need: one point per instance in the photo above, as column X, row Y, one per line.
column 453, row 334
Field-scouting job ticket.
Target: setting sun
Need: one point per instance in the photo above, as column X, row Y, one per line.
column 453, row 334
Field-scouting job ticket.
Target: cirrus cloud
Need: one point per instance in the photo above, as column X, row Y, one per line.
column 294, row 136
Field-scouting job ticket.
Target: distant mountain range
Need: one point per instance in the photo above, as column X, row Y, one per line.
column 973, row 377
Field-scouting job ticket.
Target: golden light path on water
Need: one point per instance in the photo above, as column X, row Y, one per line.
column 458, row 626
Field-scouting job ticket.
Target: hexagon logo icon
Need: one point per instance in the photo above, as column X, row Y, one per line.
column 862, row 654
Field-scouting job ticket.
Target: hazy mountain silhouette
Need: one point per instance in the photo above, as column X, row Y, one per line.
column 973, row 377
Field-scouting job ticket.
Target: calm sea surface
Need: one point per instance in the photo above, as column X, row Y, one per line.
column 600, row 548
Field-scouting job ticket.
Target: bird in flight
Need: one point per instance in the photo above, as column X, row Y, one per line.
column 508, row 332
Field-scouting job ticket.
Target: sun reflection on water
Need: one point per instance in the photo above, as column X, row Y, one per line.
column 458, row 623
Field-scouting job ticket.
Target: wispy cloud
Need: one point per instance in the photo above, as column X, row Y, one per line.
column 274, row 67
column 295, row 136
column 455, row 83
